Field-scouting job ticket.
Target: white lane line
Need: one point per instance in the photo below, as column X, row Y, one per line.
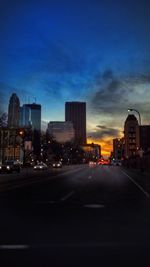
column 82, row 245
column 46, row 202
column 94, row 206
column 68, row 172
column 5, row 247
column 67, row 196
column 139, row 186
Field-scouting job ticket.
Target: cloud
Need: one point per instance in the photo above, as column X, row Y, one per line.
column 102, row 132
column 114, row 95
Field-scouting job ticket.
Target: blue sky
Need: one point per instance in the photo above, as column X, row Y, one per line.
column 93, row 51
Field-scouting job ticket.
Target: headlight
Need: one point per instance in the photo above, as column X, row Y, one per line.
column 0, row 167
column 8, row 167
column 41, row 167
column 58, row 165
column 34, row 167
column 53, row 165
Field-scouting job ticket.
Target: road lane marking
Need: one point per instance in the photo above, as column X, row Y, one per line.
column 13, row 247
column 69, row 171
column 67, row 196
column 94, row 206
column 139, row 186
column 46, row 202
column 80, row 245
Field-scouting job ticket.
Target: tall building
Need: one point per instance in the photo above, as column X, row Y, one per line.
column 30, row 116
column 131, row 136
column 13, row 111
column 62, row 131
column 25, row 116
column 145, row 138
column 35, row 116
column 76, row 113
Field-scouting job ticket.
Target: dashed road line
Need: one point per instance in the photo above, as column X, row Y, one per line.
column 67, row 196
column 94, row 206
column 46, row 202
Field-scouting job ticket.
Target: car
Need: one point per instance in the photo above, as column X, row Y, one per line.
column 104, row 162
column 92, row 163
column 57, row 164
column 10, row 166
column 40, row 167
column 116, row 163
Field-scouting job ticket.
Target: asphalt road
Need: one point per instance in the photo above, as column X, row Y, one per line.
column 74, row 216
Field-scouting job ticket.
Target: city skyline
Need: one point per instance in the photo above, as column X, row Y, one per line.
column 96, row 52
column 106, row 147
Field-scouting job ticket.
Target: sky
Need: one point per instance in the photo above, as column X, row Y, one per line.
column 96, row 51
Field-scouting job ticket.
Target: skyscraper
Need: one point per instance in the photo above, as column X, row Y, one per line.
column 25, row 116
column 35, row 116
column 76, row 113
column 13, row 111
column 35, row 120
column 30, row 116
column 131, row 136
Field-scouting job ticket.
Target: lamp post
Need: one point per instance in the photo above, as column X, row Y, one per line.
column 131, row 109
column 21, row 134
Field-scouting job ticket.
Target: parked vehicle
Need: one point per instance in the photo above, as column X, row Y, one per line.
column 116, row 162
column 92, row 164
column 10, row 166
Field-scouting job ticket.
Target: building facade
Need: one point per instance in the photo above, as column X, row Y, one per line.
column 145, row 138
column 30, row 116
column 75, row 112
column 118, row 148
column 15, row 144
column 25, row 116
column 92, row 151
column 131, row 136
column 13, row 111
column 61, row 131
column 35, row 116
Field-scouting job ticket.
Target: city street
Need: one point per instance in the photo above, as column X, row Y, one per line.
column 75, row 216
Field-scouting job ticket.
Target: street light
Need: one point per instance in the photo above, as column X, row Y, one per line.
column 22, row 136
column 131, row 109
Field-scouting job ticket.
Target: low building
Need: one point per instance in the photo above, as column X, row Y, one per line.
column 15, row 143
column 145, row 138
column 92, row 151
column 61, row 131
column 118, row 148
